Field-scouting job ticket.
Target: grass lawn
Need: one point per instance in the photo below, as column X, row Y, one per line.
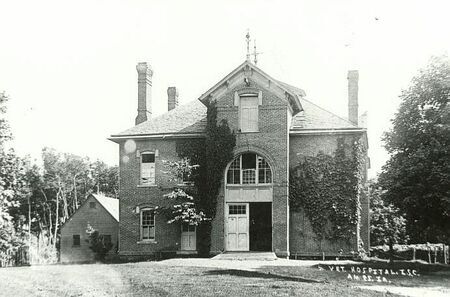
column 173, row 279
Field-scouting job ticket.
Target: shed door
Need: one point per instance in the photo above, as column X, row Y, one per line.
column 237, row 227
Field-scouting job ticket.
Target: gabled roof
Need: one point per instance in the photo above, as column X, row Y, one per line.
column 295, row 103
column 315, row 117
column 186, row 119
column 110, row 204
column 189, row 120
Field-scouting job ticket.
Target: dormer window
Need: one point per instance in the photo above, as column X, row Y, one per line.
column 248, row 112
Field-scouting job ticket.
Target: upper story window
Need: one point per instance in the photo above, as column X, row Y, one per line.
column 147, row 169
column 248, row 113
column 92, row 205
column 249, row 169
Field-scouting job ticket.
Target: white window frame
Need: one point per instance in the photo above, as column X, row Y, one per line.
column 241, row 171
column 141, row 226
column 152, row 176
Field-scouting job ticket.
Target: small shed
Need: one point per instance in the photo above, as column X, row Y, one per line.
column 100, row 212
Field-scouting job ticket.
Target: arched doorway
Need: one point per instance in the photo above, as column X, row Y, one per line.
column 248, row 204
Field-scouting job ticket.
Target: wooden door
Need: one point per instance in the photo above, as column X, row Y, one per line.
column 237, row 227
column 188, row 237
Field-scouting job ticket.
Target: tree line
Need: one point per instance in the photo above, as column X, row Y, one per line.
column 36, row 199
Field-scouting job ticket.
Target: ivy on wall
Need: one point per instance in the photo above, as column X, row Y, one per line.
column 212, row 154
column 327, row 189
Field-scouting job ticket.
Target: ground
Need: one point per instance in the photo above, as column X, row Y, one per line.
column 205, row 277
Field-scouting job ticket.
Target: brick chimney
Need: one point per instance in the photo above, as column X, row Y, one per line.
column 172, row 98
column 145, row 74
column 353, row 77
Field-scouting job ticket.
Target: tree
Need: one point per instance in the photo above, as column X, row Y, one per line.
column 182, row 207
column 11, row 189
column 99, row 245
column 417, row 175
column 387, row 224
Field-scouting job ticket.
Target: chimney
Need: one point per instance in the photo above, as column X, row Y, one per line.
column 353, row 77
column 172, row 98
column 145, row 73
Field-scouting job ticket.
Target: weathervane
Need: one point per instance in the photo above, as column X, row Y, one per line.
column 255, row 53
column 247, row 37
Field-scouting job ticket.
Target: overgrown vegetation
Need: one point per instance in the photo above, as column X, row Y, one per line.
column 327, row 189
column 211, row 155
column 98, row 243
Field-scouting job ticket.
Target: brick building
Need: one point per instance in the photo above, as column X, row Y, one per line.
column 275, row 128
column 100, row 212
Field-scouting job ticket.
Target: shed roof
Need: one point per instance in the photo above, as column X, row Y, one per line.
column 110, row 204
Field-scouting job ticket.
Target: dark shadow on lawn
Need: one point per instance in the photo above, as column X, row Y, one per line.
column 247, row 273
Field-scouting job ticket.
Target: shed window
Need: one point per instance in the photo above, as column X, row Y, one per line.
column 76, row 240
column 92, row 205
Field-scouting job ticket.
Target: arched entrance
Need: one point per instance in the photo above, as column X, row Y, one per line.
column 248, row 204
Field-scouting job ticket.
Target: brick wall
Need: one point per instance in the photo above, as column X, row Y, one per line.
column 167, row 236
column 99, row 218
column 272, row 143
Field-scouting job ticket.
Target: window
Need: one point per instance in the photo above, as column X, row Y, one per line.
column 249, row 113
column 76, row 240
column 237, row 209
column 147, row 169
column 147, row 224
column 92, row 205
column 249, row 169
column 106, row 239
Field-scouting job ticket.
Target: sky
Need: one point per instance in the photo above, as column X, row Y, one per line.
column 69, row 66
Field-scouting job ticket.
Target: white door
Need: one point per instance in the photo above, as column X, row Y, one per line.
column 237, row 227
column 188, row 237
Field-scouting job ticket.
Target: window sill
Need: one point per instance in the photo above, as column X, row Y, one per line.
column 152, row 241
column 147, row 186
column 248, row 132
column 248, row 185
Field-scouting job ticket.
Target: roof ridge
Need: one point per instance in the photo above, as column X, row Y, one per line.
column 309, row 101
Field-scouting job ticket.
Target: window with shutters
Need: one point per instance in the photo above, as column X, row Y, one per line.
column 147, row 169
column 248, row 113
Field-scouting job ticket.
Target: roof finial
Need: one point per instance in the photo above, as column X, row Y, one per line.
column 255, row 53
column 248, row 44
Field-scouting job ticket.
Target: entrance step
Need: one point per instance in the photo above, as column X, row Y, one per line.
column 246, row 256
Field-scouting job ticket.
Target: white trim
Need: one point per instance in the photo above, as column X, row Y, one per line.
column 156, row 136
column 294, row 132
column 141, row 240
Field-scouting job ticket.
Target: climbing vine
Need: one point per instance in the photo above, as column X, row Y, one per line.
column 327, row 189
column 212, row 155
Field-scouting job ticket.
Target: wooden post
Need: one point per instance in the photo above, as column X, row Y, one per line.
column 445, row 253
column 435, row 255
column 429, row 255
column 323, row 256
column 414, row 253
